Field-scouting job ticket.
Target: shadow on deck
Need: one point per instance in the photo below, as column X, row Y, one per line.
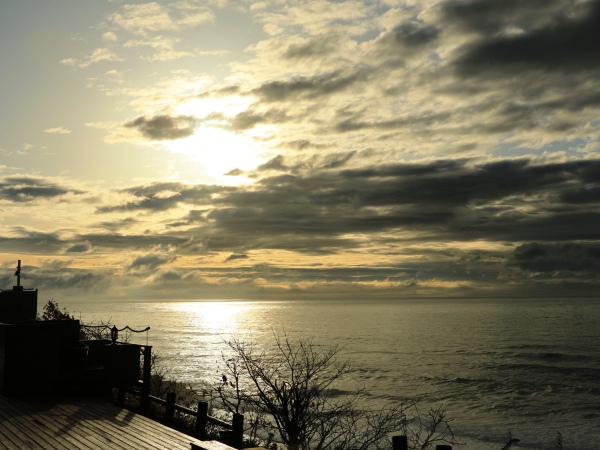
column 49, row 421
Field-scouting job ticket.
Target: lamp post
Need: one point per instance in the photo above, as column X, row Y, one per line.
column 114, row 334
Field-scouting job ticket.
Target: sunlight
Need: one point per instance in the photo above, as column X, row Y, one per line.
column 202, row 107
column 217, row 149
column 216, row 317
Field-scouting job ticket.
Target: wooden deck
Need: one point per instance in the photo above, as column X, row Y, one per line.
column 59, row 423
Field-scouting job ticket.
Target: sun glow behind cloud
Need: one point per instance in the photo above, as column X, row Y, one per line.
column 204, row 107
column 217, row 149
column 219, row 152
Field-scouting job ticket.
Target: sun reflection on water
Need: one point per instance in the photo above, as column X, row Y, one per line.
column 217, row 317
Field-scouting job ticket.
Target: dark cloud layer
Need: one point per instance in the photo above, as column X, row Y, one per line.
column 561, row 45
column 546, row 211
column 509, row 201
column 491, row 17
column 26, row 189
column 81, row 247
column 235, row 256
column 309, row 87
column 582, row 260
column 543, row 214
column 149, row 262
column 163, row 196
column 461, row 199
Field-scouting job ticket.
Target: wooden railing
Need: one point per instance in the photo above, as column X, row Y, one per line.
column 234, row 431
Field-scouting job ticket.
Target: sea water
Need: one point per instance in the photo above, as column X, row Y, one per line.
column 530, row 367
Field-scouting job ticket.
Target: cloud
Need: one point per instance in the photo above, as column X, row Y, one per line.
column 408, row 37
column 276, row 163
column 250, row 119
column 142, row 18
column 57, row 130
column 564, row 44
column 308, row 87
column 315, row 16
column 337, row 208
column 317, row 47
column 559, row 260
column 17, row 240
column 497, row 17
column 316, row 162
column 401, row 88
column 117, row 225
column 22, row 189
column 109, row 36
column 81, row 247
column 152, row 196
column 154, row 17
column 163, row 47
column 235, row 256
column 163, row 127
column 413, row 34
column 150, row 262
column 98, row 55
column 133, row 242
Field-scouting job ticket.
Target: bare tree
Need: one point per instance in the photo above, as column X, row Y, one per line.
column 288, row 392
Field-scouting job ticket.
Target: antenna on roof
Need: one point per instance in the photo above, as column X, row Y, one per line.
column 18, row 275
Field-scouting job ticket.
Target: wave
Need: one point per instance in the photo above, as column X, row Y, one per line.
column 554, row 356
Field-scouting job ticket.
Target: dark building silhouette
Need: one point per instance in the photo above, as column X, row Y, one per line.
column 46, row 356
column 18, row 304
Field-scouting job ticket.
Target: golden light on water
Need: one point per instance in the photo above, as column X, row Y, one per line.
column 216, row 317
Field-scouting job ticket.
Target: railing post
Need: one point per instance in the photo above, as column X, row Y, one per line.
column 399, row 443
column 201, row 420
column 170, row 409
column 146, row 374
column 237, row 433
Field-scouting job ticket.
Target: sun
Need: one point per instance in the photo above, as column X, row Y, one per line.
column 214, row 147
column 219, row 151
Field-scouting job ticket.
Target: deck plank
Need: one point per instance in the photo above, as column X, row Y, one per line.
column 69, row 423
column 50, row 421
column 38, row 425
column 15, row 434
column 160, row 436
column 119, row 430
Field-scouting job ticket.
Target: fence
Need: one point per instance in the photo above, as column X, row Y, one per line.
column 234, row 431
column 234, row 434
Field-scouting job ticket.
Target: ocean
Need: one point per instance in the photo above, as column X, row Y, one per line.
column 526, row 366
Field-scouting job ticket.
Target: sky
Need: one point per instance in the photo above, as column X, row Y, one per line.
column 217, row 149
